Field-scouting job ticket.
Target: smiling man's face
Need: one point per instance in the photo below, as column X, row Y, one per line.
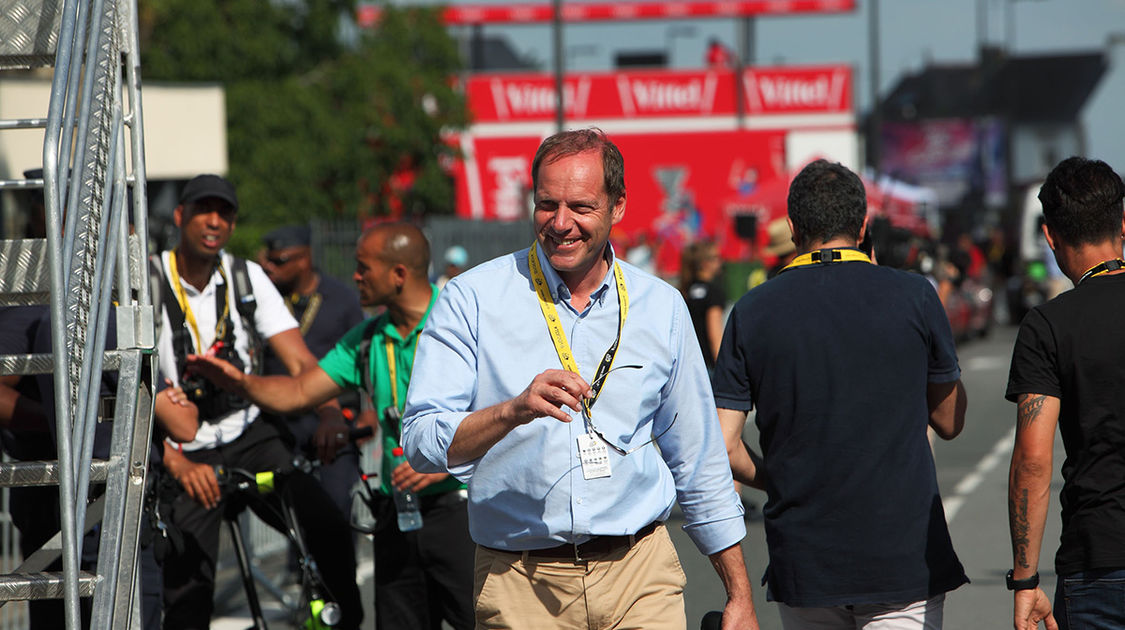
column 573, row 215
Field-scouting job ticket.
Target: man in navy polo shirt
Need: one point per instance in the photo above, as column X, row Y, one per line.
column 847, row 364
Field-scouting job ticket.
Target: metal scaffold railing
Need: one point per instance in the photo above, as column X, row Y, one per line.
column 93, row 275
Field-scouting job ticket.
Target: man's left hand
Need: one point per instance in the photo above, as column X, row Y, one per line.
column 404, row 477
column 1031, row 607
column 331, row 436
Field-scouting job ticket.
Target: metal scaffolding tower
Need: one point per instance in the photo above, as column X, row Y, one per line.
column 93, row 165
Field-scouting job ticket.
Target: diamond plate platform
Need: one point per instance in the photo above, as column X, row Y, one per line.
column 29, row 32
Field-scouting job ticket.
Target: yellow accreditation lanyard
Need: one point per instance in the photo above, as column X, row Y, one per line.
column 1102, row 268
column 392, row 369
column 826, row 256
column 558, row 335
column 311, row 309
column 189, row 316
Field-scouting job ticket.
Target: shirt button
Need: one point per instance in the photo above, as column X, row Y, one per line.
column 578, row 500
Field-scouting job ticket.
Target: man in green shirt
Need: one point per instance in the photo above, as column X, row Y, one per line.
column 423, row 576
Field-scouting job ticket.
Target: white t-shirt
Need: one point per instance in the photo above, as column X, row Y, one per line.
column 270, row 318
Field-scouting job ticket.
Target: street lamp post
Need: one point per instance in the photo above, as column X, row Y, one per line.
column 560, row 106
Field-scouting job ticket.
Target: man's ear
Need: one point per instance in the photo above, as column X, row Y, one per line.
column 1051, row 239
column 178, row 215
column 400, row 273
column 618, row 209
column 793, row 232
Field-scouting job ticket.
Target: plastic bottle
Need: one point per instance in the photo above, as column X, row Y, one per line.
column 406, row 502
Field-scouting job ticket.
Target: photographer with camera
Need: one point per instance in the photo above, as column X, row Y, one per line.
column 218, row 305
column 425, row 576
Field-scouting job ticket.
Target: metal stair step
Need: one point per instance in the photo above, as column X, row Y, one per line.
column 44, row 473
column 24, row 276
column 24, row 364
column 44, row 585
column 29, row 33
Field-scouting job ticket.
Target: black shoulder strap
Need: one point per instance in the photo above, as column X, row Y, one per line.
column 363, row 362
column 247, row 305
column 163, row 298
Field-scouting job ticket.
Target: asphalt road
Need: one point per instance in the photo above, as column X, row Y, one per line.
column 972, row 472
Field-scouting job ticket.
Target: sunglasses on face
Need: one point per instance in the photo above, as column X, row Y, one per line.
column 278, row 261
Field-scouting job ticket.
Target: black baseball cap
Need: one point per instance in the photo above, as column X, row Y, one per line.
column 203, row 186
column 287, row 236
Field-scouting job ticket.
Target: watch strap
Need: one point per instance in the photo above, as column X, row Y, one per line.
column 1021, row 585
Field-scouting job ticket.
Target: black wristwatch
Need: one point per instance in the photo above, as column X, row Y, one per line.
column 1021, row 585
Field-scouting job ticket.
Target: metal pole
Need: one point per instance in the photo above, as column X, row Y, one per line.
column 875, row 127
column 748, row 42
column 1010, row 26
column 982, row 23
column 51, row 192
column 560, row 105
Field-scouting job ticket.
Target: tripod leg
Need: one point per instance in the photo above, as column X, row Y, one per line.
column 247, row 576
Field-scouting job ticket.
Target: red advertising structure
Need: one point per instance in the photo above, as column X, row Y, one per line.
column 704, row 149
column 693, row 163
column 368, row 14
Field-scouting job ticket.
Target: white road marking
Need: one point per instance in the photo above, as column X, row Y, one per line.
column 986, row 363
column 999, row 454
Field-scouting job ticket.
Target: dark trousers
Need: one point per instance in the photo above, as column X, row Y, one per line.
column 189, row 577
column 1091, row 600
column 425, row 576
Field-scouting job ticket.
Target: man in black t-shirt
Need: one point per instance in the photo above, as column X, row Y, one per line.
column 1068, row 368
column 847, row 364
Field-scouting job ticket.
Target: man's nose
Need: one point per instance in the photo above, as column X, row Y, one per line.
column 563, row 219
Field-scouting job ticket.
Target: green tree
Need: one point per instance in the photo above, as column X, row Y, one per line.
column 319, row 118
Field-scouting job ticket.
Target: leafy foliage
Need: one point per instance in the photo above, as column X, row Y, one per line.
column 322, row 120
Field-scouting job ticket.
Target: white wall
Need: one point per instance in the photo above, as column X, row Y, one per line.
column 184, row 128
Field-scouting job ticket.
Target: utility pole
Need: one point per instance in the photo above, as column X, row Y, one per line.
column 560, row 105
column 875, row 121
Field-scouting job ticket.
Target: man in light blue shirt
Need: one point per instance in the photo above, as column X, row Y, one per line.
column 568, row 489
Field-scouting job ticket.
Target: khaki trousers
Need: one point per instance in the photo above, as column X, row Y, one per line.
column 926, row 614
column 639, row 588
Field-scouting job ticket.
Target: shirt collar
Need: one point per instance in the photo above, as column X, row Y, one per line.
column 389, row 329
column 559, row 290
column 212, row 282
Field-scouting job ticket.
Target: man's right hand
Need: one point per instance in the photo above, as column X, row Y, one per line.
column 219, row 372
column 1031, row 607
column 547, row 394
column 198, row 480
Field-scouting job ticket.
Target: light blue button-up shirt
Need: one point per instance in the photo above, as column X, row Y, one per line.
column 486, row 340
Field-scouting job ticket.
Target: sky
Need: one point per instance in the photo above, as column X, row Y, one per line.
column 911, row 33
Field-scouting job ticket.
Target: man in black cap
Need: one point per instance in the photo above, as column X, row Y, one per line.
column 213, row 303
column 325, row 309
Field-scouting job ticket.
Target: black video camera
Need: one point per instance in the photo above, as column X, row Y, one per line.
column 212, row 401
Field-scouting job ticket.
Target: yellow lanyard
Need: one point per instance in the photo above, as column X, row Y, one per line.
column 311, row 309
column 1102, row 268
column 558, row 335
column 824, row 256
column 189, row 316
column 392, row 368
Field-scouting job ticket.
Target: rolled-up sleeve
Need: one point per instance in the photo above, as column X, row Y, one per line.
column 694, row 450
column 442, row 384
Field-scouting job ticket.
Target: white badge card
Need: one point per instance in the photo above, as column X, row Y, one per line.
column 594, row 456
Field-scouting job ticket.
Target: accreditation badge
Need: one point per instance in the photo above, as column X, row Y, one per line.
column 594, row 456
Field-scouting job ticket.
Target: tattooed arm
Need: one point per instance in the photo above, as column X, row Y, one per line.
column 1029, row 481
